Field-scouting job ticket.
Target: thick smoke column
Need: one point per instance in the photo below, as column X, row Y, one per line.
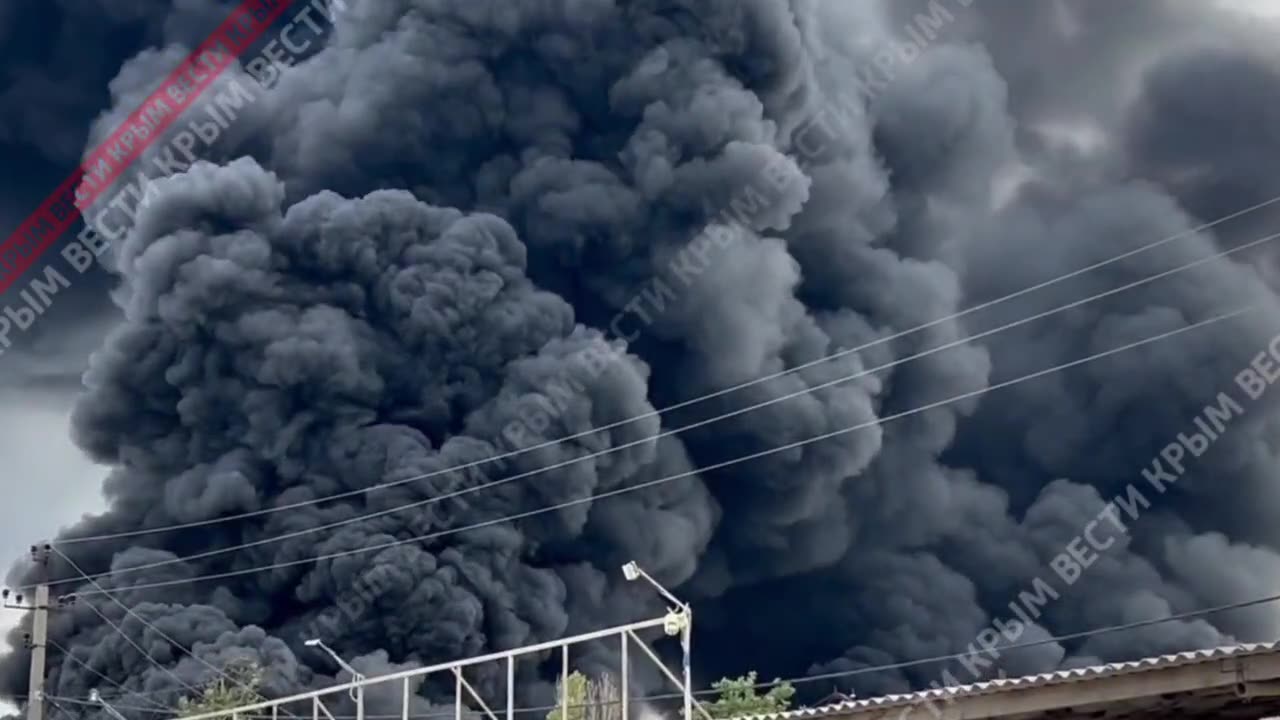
column 59, row 62
column 432, row 223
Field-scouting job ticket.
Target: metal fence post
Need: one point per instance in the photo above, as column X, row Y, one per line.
column 626, row 668
column 511, row 687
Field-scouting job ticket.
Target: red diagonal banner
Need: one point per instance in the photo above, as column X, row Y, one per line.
column 140, row 130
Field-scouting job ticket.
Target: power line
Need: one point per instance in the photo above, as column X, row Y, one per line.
column 817, row 677
column 674, row 431
column 98, row 704
column 687, row 473
column 1068, row 637
column 135, row 645
column 691, row 401
column 71, row 656
column 106, row 696
column 89, row 701
column 153, row 628
column 54, row 702
column 1046, row 641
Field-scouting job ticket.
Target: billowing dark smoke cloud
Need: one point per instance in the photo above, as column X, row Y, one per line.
column 423, row 229
column 1139, row 90
column 59, row 59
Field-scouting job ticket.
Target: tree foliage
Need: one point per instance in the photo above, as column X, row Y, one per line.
column 238, row 685
column 738, row 697
column 600, row 699
column 589, row 699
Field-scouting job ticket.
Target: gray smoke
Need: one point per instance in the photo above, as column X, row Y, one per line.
column 60, row 60
column 425, row 232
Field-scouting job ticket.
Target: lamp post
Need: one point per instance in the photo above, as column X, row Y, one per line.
column 357, row 692
column 680, row 620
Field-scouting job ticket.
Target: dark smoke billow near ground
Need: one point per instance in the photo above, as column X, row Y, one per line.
column 429, row 220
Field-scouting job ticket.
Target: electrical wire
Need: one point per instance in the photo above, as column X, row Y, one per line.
column 55, row 699
column 63, row 711
column 685, row 403
column 136, row 646
column 71, row 656
column 150, row 626
column 671, row 431
column 825, row 676
column 688, row 473
column 817, row 677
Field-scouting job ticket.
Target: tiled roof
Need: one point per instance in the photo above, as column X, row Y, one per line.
column 1027, row 681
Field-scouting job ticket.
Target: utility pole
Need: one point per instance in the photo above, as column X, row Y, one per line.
column 37, row 640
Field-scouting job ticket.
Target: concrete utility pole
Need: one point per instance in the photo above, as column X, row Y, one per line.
column 37, row 640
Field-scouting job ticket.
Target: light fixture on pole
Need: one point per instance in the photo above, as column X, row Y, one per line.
column 95, row 696
column 355, row 692
column 679, row 621
column 632, row 572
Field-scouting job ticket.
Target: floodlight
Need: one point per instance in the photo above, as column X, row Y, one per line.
column 355, row 674
column 675, row 622
column 633, row 572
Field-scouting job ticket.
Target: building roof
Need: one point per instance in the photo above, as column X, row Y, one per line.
column 1233, row 672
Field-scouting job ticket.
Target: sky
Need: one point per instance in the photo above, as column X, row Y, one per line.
column 52, row 482
column 1263, row 8
column 46, row 475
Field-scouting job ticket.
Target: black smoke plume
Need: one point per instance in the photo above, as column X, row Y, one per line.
column 464, row 226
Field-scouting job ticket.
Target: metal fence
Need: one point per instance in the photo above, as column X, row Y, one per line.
column 675, row 622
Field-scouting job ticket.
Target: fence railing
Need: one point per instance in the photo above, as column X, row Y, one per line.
column 675, row 622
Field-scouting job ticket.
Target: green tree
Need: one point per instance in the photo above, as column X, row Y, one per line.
column 738, row 697
column 589, row 699
column 238, row 685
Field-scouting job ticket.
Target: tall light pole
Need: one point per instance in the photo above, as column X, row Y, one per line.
column 681, row 621
column 357, row 692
